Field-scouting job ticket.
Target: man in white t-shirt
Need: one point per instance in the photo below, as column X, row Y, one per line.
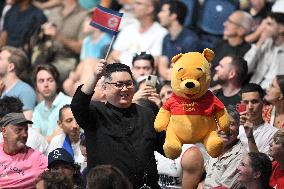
column 254, row 134
column 146, row 35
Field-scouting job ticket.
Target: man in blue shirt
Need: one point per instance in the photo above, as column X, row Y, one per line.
column 13, row 62
column 46, row 113
column 179, row 39
column 21, row 22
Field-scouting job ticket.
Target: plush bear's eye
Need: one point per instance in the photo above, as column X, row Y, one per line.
column 180, row 73
column 199, row 69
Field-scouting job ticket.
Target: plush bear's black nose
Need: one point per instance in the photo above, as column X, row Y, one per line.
column 190, row 85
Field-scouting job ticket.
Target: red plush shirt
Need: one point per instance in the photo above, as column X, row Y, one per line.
column 205, row 105
column 277, row 176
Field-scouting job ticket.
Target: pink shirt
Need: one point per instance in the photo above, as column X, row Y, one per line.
column 22, row 169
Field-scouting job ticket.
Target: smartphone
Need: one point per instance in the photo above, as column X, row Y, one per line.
column 151, row 80
column 241, row 107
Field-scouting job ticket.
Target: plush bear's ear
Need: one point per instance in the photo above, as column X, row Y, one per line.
column 208, row 54
column 176, row 57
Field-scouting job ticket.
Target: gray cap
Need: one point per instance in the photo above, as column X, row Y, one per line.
column 14, row 119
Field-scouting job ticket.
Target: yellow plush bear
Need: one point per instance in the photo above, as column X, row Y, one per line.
column 191, row 114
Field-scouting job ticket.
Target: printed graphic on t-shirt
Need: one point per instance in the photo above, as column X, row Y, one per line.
column 166, row 180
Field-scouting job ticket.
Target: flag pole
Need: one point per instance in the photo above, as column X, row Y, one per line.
column 109, row 47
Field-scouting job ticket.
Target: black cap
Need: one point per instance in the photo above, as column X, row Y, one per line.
column 59, row 154
column 14, row 119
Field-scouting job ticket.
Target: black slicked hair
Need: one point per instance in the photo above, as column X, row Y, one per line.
column 278, row 17
column 61, row 110
column 252, row 87
column 116, row 67
column 179, row 8
column 144, row 56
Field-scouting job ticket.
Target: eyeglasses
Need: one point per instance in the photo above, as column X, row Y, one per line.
column 233, row 22
column 142, row 53
column 120, row 85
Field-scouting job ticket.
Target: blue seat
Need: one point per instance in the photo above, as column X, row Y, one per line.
column 213, row 14
column 192, row 13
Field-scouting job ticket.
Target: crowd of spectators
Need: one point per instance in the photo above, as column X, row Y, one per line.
column 70, row 117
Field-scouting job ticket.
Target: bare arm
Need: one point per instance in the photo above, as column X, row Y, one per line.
column 28, row 114
column 113, row 57
column 89, row 86
column 192, row 164
column 72, row 44
column 47, row 4
column 105, row 3
column 248, row 127
column 3, row 38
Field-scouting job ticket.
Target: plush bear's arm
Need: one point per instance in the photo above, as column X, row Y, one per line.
column 223, row 119
column 162, row 120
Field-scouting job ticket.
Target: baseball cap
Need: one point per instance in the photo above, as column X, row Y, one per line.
column 15, row 119
column 59, row 154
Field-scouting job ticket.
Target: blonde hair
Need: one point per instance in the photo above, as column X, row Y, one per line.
column 18, row 57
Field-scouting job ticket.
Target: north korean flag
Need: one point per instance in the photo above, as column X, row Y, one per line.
column 106, row 20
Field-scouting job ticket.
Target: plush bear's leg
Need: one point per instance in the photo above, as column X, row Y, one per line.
column 172, row 146
column 213, row 144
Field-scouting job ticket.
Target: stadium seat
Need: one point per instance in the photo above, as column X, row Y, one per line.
column 213, row 14
column 192, row 13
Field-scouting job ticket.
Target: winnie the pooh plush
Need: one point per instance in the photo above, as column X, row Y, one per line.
column 192, row 114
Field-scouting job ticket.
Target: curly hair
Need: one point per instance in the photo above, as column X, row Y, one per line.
column 261, row 162
column 107, row 177
column 53, row 180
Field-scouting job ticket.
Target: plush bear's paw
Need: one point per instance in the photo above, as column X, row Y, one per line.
column 215, row 147
column 172, row 150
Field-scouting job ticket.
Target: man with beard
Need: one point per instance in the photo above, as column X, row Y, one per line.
column 236, row 27
column 230, row 75
column 179, row 39
column 20, row 165
column 46, row 113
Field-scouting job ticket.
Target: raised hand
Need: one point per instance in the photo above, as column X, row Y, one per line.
column 100, row 69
